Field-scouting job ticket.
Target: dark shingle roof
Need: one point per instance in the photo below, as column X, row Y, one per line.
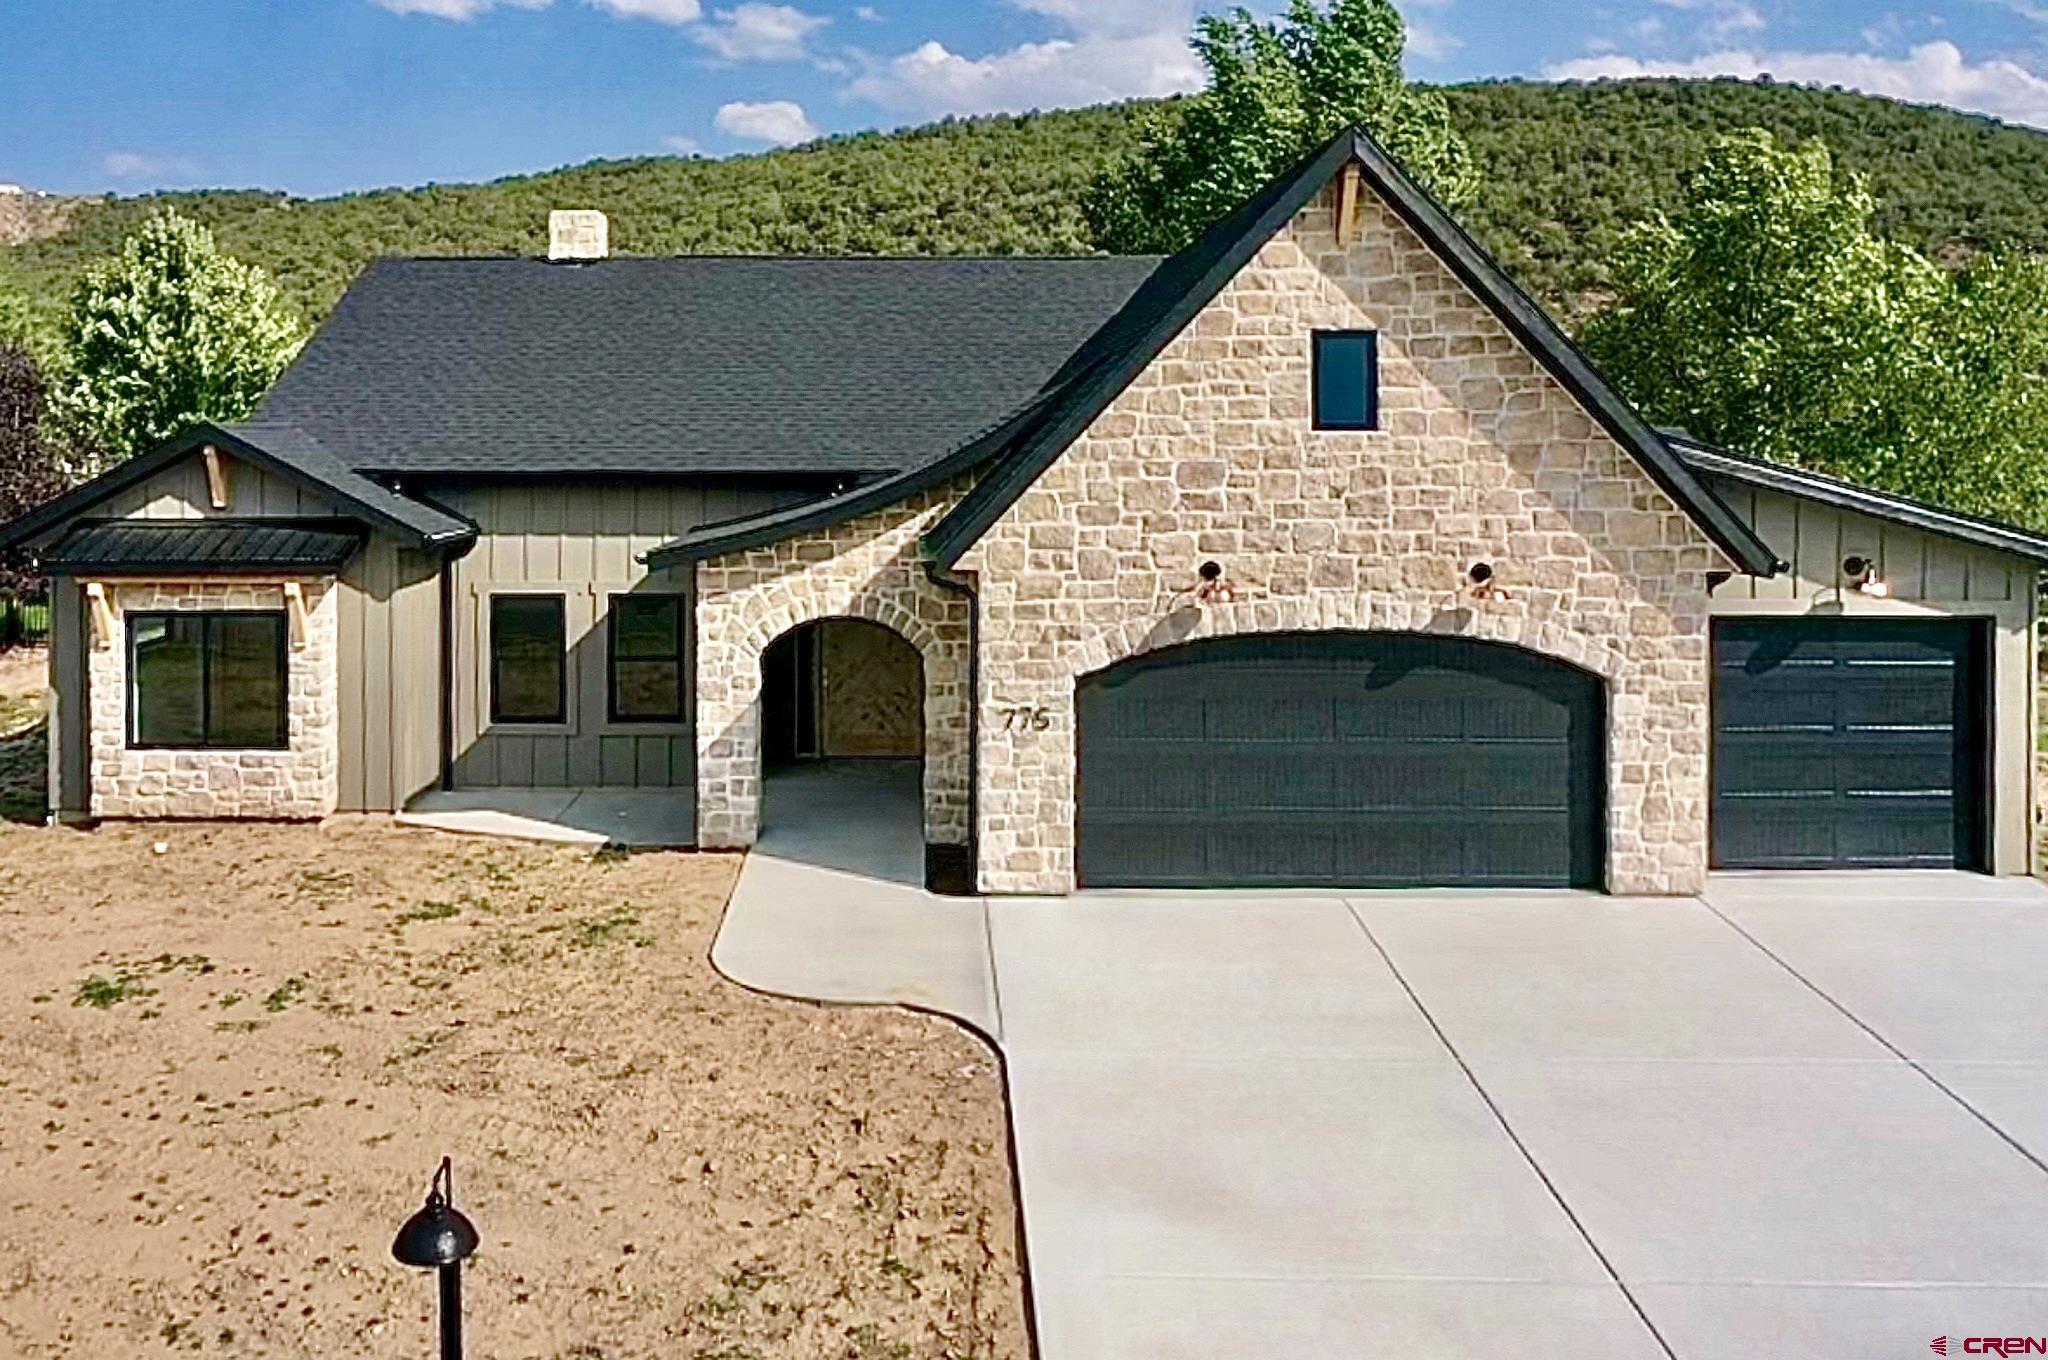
column 212, row 545
column 692, row 365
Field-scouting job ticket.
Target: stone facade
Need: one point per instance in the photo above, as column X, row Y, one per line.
column 864, row 568
column 1481, row 456
column 298, row 782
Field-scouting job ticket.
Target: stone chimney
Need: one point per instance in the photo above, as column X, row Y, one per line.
column 579, row 234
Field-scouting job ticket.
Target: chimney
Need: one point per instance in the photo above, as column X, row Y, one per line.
column 579, row 234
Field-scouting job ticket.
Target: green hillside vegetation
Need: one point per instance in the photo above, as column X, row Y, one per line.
column 1563, row 171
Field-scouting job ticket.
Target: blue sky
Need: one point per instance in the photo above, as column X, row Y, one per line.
column 320, row 96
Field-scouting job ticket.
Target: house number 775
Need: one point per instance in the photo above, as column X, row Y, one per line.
column 1026, row 719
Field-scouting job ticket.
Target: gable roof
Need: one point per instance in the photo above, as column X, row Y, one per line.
column 694, row 365
column 1183, row 285
column 1818, row 486
column 285, row 450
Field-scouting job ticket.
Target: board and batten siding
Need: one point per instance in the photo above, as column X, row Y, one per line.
column 1930, row 576
column 584, row 543
column 389, row 644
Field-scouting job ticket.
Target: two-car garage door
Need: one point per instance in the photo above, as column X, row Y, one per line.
column 1342, row 758
column 1844, row 743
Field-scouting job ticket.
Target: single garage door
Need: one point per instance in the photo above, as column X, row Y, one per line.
column 1848, row 743
column 1369, row 759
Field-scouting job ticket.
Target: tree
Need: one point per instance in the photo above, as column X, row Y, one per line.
column 1276, row 92
column 32, row 466
column 1768, row 316
column 168, row 333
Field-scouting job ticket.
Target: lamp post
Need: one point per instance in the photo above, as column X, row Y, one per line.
column 438, row 1236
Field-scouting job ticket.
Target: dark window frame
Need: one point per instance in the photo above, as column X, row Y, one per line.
column 206, row 619
column 560, row 714
column 680, row 659
column 1317, row 343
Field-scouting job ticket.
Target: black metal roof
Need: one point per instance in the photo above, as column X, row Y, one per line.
column 1181, row 286
column 224, row 546
column 1818, row 486
column 690, row 365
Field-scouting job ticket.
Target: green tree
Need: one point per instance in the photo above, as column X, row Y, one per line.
column 33, row 466
column 1768, row 316
column 1276, row 91
column 168, row 333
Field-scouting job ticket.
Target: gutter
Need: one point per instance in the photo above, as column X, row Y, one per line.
column 447, row 671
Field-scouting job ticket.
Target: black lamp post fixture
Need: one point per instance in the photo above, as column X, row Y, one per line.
column 441, row 1238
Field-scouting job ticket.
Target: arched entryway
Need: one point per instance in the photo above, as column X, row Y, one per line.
column 842, row 747
column 1366, row 759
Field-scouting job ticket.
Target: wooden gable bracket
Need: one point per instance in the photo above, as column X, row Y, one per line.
column 104, row 625
column 1347, row 203
column 295, row 607
column 216, row 476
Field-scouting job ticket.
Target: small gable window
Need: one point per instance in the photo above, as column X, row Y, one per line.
column 528, row 653
column 1347, row 380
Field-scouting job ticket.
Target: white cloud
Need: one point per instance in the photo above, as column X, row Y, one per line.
column 1113, row 49
column 681, row 145
column 867, row 14
column 660, row 11
column 759, row 32
column 1721, row 18
column 1932, row 73
column 779, row 122
column 459, row 10
column 139, row 165
column 1430, row 41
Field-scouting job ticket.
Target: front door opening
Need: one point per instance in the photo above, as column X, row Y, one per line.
column 842, row 749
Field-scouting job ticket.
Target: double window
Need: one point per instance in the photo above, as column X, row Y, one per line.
column 1347, row 380
column 208, row 681
column 530, row 659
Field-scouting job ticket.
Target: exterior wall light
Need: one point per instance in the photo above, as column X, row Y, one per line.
column 440, row 1238
column 1861, row 574
column 1485, row 582
column 1212, row 586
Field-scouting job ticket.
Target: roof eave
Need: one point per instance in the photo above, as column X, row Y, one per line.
column 1906, row 510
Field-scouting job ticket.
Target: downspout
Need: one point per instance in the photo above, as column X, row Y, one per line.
column 447, row 670
column 948, row 579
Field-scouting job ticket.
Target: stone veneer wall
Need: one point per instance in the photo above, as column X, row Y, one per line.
column 1481, row 455
column 300, row 782
column 865, row 568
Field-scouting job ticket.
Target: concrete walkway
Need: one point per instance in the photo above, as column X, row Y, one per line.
column 639, row 818
column 1804, row 1116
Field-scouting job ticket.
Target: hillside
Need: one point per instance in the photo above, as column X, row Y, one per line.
column 1566, row 169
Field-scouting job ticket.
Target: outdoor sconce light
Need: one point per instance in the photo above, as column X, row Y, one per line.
column 1212, row 585
column 1861, row 573
column 1485, row 582
column 440, row 1238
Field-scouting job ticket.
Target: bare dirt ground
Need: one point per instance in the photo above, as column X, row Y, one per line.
column 24, row 759
column 231, row 1055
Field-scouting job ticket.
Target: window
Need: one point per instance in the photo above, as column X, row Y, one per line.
column 1347, row 379
column 207, row 681
column 529, row 646
column 647, row 658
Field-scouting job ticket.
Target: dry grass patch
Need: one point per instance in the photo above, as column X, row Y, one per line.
column 227, row 1066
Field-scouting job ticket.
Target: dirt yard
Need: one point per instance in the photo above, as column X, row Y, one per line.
column 231, row 1056
column 24, row 758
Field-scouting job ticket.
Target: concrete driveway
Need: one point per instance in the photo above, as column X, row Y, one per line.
column 1802, row 1117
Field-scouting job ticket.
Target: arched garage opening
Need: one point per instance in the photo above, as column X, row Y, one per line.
column 842, row 747
column 1341, row 759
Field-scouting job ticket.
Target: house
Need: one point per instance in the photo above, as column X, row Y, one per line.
column 1314, row 554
